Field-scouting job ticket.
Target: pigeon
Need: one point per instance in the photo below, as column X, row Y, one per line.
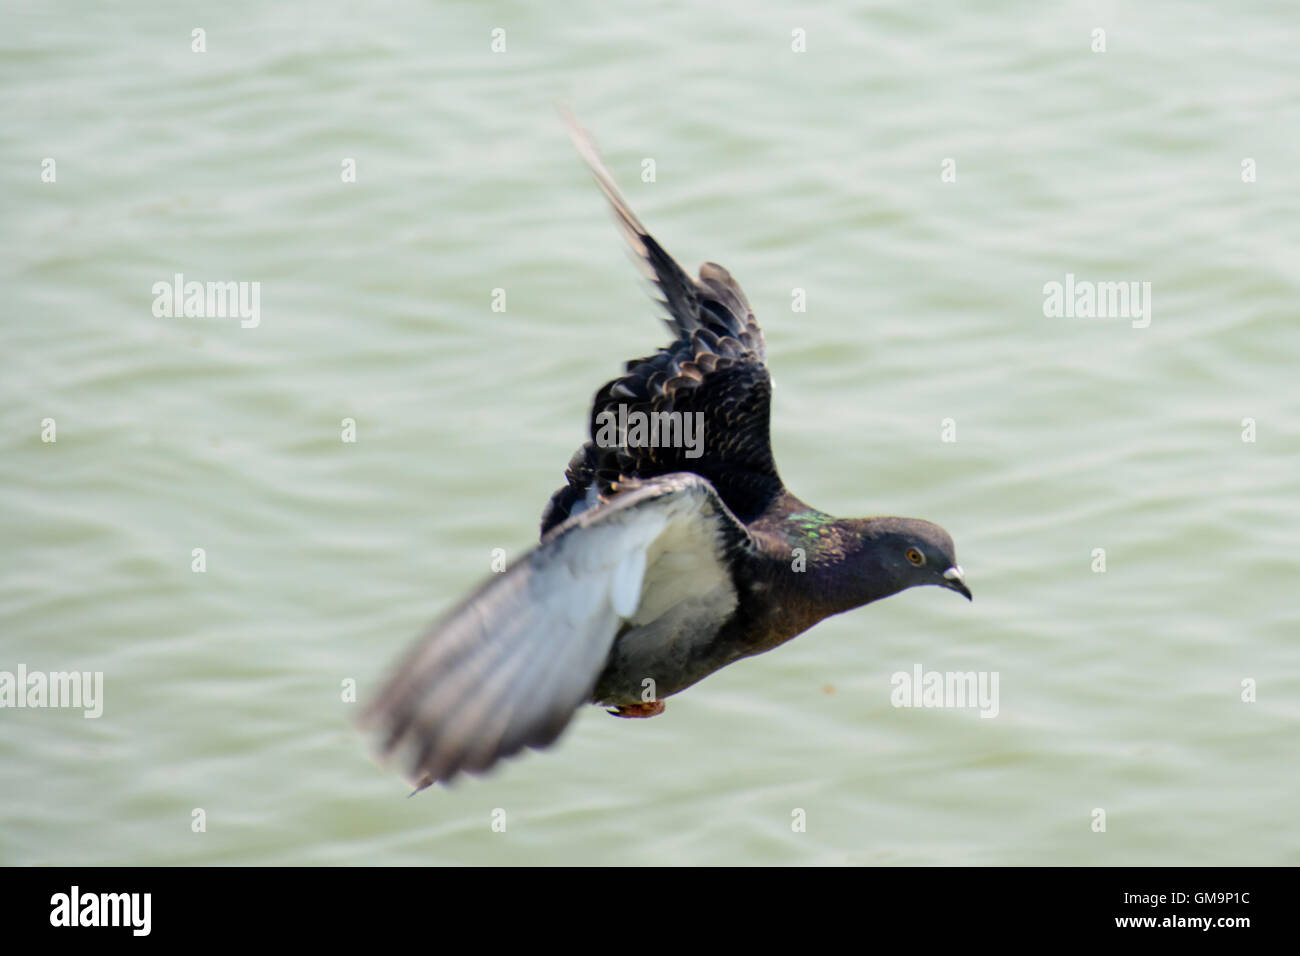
column 672, row 550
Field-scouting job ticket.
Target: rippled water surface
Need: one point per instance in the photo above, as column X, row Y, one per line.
column 822, row 171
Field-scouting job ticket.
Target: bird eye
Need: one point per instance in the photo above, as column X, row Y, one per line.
column 916, row 557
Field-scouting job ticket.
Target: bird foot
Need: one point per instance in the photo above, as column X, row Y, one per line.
column 651, row 709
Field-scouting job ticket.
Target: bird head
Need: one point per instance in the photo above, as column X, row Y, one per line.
column 913, row 552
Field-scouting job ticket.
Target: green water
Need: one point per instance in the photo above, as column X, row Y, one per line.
column 822, row 171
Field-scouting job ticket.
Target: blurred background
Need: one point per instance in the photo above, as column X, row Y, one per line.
column 805, row 147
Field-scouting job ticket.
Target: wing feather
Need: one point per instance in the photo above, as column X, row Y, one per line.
column 715, row 368
column 507, row 668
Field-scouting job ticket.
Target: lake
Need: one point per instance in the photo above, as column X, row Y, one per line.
column 907, row 194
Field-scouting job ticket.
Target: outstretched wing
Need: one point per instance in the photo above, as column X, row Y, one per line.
column 508, row 667
column 714, row 371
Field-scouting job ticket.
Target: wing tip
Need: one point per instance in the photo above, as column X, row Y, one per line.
column 585, row 144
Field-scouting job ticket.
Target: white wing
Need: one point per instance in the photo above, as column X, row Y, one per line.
column 507, row 668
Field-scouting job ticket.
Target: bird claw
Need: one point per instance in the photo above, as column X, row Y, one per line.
column 649, row 709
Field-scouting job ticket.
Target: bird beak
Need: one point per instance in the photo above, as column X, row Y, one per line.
column 955, row 579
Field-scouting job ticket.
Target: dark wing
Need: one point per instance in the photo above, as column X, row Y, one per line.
column 507, row 668
column 715, row 366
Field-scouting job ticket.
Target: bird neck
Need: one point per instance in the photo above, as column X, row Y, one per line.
column 831, row 565
column 856, row 575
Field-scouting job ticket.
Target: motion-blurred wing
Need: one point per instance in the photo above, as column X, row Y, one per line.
column 508, row 667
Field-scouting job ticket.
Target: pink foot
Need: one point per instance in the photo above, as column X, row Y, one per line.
column 652, row 709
